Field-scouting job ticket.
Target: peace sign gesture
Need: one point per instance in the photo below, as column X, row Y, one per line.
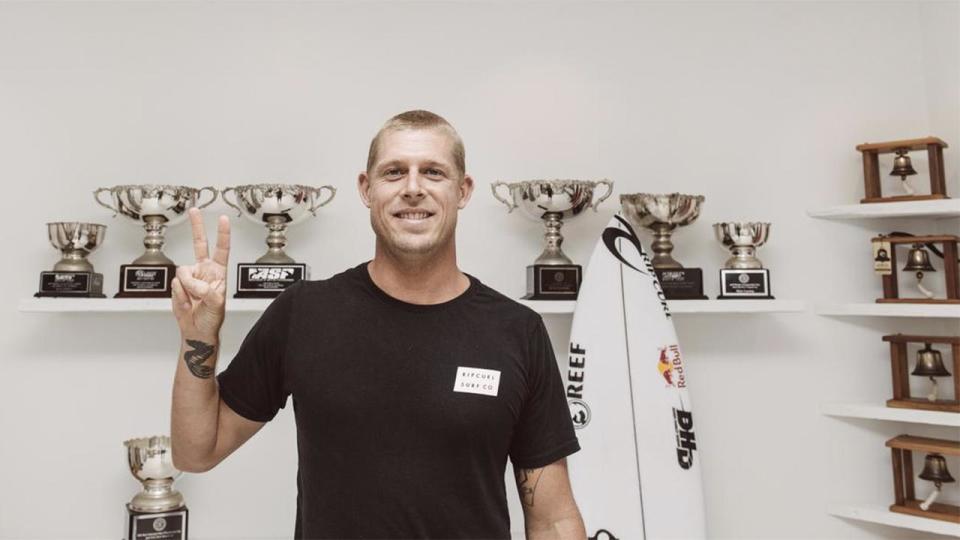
column 199, row 290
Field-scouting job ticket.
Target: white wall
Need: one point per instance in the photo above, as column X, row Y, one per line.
column 758, row 106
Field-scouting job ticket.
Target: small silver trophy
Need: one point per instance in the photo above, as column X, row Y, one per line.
column 157, row 512
column 155, row 207
column 743, row 275
column 277, row 206
column 552, row 276
column 661, row 214
column 73, row 275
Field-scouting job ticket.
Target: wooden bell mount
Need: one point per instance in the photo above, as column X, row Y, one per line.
column 903, row 168
column 905, row 497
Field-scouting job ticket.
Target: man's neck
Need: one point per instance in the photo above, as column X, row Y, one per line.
column 430, row 279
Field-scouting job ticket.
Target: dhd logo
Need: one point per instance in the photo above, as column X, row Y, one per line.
column 270, row 274
column 686, row 439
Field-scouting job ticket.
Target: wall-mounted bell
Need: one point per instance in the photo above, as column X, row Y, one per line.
column 930, row 363
column 918, row 260
column 902, row 166
column 935, row 469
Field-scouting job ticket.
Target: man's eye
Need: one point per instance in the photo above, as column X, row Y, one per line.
column 434, row 172
column 392, row 173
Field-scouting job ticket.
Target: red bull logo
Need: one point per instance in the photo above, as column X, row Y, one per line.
column 670, row 366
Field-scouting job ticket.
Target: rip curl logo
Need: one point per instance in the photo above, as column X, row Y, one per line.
column 270, row 274
column 611, row 234
column 610, row 237
column 670, row 366
column 477, row 381
column 146, row 274
column 603, row 534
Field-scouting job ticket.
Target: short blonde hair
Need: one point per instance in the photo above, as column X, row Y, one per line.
column 419, row 119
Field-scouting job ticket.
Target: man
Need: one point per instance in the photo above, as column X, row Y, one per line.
column 412, row 382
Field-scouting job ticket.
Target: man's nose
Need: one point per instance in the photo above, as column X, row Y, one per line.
column 413, row 187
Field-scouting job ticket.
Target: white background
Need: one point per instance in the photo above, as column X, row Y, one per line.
column 757, row 106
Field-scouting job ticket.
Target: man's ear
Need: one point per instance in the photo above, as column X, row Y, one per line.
column 466, row 190
column 363, row 184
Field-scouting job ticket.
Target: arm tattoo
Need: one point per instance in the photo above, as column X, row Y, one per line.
column 527, row 480
column 195, row 358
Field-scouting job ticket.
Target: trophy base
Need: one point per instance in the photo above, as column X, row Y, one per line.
column 259, row 280
column 70, row 284
column 169, row 525
column 146, row 280
column 751, row 284
column 553, row 281
column 681, row 283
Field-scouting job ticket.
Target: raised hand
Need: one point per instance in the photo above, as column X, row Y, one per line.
column 200, row 289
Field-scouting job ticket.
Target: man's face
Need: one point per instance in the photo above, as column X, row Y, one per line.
column 414, row 191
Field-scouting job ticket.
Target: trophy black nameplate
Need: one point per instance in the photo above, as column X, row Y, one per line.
column 745, row 284
column 145, row 280
column 553, row 281
column 71, row 284
column 259, row 280
column 681, row 283
column 169, row 525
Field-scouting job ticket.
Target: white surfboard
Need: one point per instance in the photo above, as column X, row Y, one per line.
column 637, row 475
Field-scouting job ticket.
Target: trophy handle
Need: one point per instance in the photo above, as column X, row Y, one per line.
column 96, row 195
column 609, row 192
column 331, row 189
column 213, row 197
column 510, row 205
column 234, row 205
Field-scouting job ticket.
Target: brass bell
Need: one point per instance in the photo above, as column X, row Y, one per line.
column 902, row 166
column 935, row 469
column 918, row 260
column 930, row 363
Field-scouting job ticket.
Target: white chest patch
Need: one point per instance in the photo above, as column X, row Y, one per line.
column 477, row 381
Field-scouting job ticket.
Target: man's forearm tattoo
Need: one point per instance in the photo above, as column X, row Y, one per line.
column 195, row 358
column 527, row 480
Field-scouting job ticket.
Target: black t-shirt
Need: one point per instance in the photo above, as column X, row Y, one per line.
column 405, row 413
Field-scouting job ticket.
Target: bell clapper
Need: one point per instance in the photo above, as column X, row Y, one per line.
column 925, row 505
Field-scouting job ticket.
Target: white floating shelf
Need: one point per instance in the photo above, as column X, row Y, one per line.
column 256, row 305
column 876, row 513
column 882, row 412
column 947, row 311
column 943, row 208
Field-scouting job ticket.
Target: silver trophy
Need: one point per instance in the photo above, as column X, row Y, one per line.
column 661, row 214
column 155, row 207
column 73, row 275
column 743, row 274
column 552, row 276
column 157, row 508
column 277, row 206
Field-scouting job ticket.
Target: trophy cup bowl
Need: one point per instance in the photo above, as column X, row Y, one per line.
column 661, row 213
column 75, row 241
column 151, row 463
column 742, row 238
column 155, row 207
column 552, row 201
column 277, row 206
